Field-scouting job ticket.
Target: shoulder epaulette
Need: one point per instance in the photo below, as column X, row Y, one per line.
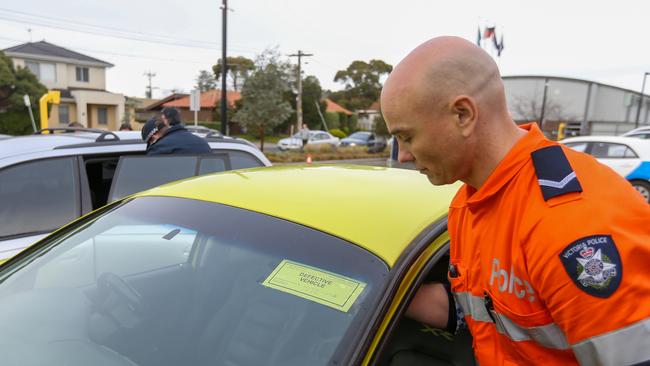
column 554, row 173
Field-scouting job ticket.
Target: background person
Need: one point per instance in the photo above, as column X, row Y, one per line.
column 303, row 134
column 549, row 249
column 171, row 116
column 164, row 139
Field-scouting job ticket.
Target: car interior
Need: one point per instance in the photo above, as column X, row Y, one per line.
column 411, row 343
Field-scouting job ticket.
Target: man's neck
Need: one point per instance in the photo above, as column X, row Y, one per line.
column 491, row 152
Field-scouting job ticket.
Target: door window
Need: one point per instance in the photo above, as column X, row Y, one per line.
column 578, row 146
column 606, row 150
column 38, row 197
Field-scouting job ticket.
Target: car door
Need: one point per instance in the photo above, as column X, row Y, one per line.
column 400, row 341
column 36, row 198
column 139, row 173
column 619, row 157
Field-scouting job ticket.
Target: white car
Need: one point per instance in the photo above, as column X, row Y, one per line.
column 316, row 137
column 640, row 133
column 47, row 180
column 628, row 156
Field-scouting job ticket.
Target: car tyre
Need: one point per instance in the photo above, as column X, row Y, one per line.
column 643, row 188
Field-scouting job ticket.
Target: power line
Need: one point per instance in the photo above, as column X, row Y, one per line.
column 120, row 54
column 111, row 32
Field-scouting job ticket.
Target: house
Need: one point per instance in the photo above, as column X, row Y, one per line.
column 210, row 101
column 81, row 80
column 336, row 108
column 134, row 111
column 367, row 116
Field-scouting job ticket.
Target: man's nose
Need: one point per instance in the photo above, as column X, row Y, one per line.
column 404, row 155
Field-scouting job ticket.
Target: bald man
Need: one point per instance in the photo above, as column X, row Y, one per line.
column 549, row 249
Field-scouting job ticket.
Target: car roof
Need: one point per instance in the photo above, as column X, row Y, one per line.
column 21, row 145
column 379, row 209
column 637, row 130
column 639, row 145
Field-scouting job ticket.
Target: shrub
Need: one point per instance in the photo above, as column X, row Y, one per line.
column 338, row 133
column 320, row 148
column 333, row 120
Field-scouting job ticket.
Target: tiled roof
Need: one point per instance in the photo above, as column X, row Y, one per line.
column 43, row 48
column 159, row 104
column 334, row 107
column 209, row 99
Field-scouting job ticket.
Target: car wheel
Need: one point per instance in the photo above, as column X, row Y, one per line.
column 643, row 188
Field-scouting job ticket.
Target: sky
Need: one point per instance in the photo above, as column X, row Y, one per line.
column 597, row 40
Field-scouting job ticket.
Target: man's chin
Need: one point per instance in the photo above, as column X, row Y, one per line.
column 436, row 181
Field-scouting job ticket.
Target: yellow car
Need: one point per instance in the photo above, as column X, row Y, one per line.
column 291, row 266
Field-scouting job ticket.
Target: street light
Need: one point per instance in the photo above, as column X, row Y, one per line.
column 638, row 110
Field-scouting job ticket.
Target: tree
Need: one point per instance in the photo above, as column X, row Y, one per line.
column 527, row 109
column 239, row 68
column 205, row 81
column 14, row 84
column 263, row 104
column 362, row 82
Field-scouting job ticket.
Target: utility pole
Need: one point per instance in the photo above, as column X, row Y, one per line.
column 638, row 109
column 300, row 55
column 224, row 65
column 149, row 75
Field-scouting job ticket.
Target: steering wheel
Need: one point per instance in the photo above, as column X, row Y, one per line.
column 119, row 300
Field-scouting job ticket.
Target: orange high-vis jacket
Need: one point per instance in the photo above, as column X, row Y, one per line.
column 550, row 260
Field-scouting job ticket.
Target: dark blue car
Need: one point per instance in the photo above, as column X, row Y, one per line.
column 364, row 138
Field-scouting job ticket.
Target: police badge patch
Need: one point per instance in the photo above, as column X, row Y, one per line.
column 594, row 265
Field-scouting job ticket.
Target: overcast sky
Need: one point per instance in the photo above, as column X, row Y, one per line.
column 603, row 41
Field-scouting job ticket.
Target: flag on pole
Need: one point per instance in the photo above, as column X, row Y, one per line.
column 489, row 32
column 500, row 48
column 478, row 37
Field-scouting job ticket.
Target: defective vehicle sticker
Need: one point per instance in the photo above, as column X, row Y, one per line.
column 314, row 284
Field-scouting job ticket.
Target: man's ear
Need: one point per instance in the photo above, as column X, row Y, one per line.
column 466, row 113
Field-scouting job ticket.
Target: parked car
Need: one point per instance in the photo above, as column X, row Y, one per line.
column 46, row 180
column 203, row 131
column 215, row 270
column 316, row 137
column 365, row 138
column 641, row 132
column 628, row 156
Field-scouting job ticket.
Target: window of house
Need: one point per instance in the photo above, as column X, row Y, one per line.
column 48, row 72
column 64, row 114
column 82, row 74
column 33, row 67
column 102, row 115
column 43, row 71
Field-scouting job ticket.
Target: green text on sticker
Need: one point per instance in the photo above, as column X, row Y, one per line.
column 326, row 288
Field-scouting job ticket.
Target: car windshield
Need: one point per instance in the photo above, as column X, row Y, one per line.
column 360, row 135
column 171, row 281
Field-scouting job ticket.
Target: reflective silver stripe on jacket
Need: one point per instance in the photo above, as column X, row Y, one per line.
column 549, row 335
column 625, row 346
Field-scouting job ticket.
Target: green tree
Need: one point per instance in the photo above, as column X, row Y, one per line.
column 239, row 68
column 362, row 81
column 205, row 81
column 14, row 84
column 263, row 104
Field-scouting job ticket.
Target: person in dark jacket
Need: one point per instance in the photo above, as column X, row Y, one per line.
column 164, row 139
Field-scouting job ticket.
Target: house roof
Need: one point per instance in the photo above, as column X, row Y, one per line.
column 48, row 50
column 334, row 107
column 209, row 99
column 159, row 104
